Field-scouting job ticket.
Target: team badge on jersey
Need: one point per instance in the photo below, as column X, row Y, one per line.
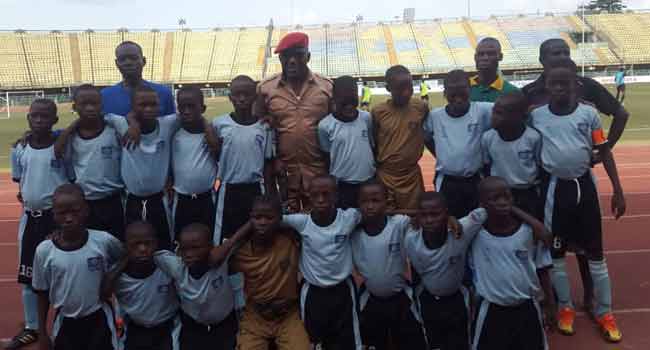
column 394, row 248
column 339, row 238
column 163, row 288
column 526, row 156
column 472, row 128
column 160, row 145
column 55, row 163
column 95, row 264
column 107, row 152
column 584, row 128
column 455, row 259
column 364, row 133
column 522, row 254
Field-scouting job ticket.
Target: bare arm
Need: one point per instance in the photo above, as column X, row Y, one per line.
column 431, row 146
column 110, row 278
column 43, row 308
column 220, row 253
column 63, row 139
column 550, row 306
column 270, row 182
column 539, row 230
column 618, row 126
column 211, row 139
column 618, row 199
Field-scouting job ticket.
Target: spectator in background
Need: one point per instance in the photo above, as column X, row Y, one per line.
column 619, row 79
column 488, row 85
column 130, row 60
column 366, row 96
column 294, row 102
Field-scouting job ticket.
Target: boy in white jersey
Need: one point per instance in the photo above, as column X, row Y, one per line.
column 38, row 172
column 506, row 255
column 386, row 301
column 146, row 295
column 438, row 257
column 570, row 131
column 68, row 270
column 453, row 136
column 194, row 167
column 94, row 149
column 346, row 135
column 511, row 150
column 244, row 161
column 328, row 297
column 207, row 300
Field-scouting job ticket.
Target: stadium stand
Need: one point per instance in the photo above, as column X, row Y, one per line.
column 35, row 60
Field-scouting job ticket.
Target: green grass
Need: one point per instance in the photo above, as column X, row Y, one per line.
column 637, row 103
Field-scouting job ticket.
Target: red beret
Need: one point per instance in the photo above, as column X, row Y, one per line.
column 293, row 40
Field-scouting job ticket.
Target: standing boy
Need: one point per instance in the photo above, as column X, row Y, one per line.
column 38, row 172
column 207, row 317
column 619, row 79
column 68, row 270
column 146, row 295
column 511, row 150
column 95, row 152
column 506, row 258
column 194, row 168
column 386, row 301
column 244, row 162
column 397, row 125
column 328, row 297
column 439, row 257
column 453, row 135
column 346, row 135
column 570, row 131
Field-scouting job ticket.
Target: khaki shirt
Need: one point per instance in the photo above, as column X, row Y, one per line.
column 270, row 275
column 400, row 143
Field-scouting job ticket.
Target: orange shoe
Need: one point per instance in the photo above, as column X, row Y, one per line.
column 565, row 318
column 609, row 328
column 119, row 327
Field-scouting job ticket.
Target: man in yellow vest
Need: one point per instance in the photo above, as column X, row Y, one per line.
column 366, row 95
column 424, row 91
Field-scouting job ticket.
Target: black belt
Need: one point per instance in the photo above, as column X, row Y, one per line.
column 195, row 196
column 108, row 198
column 158, row 195
column 444, row 297
column 168, row 324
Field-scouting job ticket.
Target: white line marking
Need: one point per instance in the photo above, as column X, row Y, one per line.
column 637, row 216
column 8, row 220
column 641, row 310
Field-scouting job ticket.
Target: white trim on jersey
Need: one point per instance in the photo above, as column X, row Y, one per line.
column 355, row 315
column 440, row 177
column 480, row 320
column 218, row 220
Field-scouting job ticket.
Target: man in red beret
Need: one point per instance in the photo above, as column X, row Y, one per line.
column 295, row 101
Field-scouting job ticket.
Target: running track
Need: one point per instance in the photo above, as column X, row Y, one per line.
column 627, row 245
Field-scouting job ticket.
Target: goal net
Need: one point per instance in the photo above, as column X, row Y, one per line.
column 13, row 103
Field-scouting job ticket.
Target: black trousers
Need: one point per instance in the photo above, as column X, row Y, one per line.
column 446, row 321
column 234, row 203
column 529, row 200
column 107, row 214
column 38, row 226
column 461, row 193
column 331, row 316
column 392, row 317
column 85, row 333
column 348, row 195
column 152, row 210
column 149, row 338
column 509, row 327
column 189, row 209
column 197, row 336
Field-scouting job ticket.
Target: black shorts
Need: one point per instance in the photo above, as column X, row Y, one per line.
column 461, row 193
column 620, row 87
column 348, row 195
column 234, row 203
column 92, row 332
column 572, row 213
column 394, row 317
column 34, row 227
column 158, row 337
column 331, row 316
column 152, row 210
column 446, row 320
column 509, row 327
column 188, row 209
column 197, row 336
column 107, row 214
column 529, row 200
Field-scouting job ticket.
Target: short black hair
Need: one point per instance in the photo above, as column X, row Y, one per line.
column 489, row 39
column 142, row 225
column 396, row 70
column 517, row 101
column 548, row 43
column 432, row 196
column 490, row 181
column 47, row 103
column 191, row 89
column 373, row 183
column 129, row 42
column 327, row 177
column 270, row 200
column 243, row 78
column 142, row 89
column 456, row 76
column 70, row 189
column 196, row 228
column 562, row 62
column 344, row 83
column 84, row 87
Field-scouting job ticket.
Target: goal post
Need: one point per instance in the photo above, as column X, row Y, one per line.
column 17, row 102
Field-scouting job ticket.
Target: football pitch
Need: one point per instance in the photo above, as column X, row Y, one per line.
column 637, row 103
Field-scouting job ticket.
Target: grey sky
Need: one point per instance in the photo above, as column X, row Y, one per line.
column 163, row 14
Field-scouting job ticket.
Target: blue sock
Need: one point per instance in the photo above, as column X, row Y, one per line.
column 561, row 285
column 30, row 307
column 602, row 287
